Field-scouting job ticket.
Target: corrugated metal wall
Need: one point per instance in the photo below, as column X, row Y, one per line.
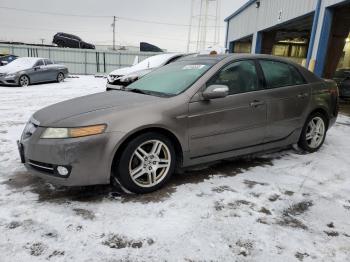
column 79, row 61
column 269, row 14
column 324, row 5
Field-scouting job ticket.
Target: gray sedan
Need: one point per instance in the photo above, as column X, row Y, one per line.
column 29, row 70
column 193, row 111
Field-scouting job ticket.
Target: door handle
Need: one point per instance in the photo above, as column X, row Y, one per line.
column 302, row 95
column 256, row 103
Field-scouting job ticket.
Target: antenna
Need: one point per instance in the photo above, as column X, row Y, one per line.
column 204, row 24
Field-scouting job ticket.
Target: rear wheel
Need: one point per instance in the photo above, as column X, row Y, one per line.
column 313, row 133
column 147, row 163
column 24, row 81
column 60, row 77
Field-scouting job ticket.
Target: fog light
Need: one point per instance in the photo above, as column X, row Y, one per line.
column 63, row 171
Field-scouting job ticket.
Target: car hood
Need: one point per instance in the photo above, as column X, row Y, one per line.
column 122, row 71
column 117, row 100
column 9, row 69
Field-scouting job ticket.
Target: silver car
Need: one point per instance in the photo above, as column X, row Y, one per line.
column 193, row 111
column 30, row 70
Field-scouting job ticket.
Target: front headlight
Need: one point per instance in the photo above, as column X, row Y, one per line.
column 73, row 132
column 10, row 75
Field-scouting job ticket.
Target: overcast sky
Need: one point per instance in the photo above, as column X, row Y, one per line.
column 31, row 27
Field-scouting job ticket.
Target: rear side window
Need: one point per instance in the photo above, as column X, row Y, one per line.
column 279, row 74
column 48, row 62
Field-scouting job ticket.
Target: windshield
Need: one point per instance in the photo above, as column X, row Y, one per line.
column 172, row 79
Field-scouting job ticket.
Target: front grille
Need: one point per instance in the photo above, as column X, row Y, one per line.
column 42, row 167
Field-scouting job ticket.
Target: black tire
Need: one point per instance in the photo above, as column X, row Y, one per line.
column 23, row 81
column 304, row 140
column 128, row 156
column 60, row 77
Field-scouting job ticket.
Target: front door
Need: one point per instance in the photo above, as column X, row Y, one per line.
column 38, row 73
column 233, row 122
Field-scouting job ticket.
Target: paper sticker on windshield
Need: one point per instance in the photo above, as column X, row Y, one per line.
column 193, row 67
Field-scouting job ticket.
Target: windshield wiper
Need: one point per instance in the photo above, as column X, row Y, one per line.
column 146, row 92
column 135, row 90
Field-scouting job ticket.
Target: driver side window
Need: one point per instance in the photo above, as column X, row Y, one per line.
column 39, row 63
column 239, row 77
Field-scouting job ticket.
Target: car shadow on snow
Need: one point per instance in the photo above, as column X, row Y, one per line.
column 23, row 181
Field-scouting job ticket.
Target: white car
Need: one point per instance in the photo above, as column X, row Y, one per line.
column 125, row 76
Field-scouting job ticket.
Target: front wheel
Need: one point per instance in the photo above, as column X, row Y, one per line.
column 313, row 133
column 147, row 163
column 23, row 81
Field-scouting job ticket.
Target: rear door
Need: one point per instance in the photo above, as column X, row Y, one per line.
column 233, row 122
column 51, row 70
column 287, row 96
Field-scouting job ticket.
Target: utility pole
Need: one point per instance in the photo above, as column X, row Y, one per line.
column 190, row 27
column 113, row 25
column 42, row 41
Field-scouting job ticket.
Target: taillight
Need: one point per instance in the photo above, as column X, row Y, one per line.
column 334, row 90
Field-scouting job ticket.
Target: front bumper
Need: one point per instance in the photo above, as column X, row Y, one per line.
column 113, row 87
column 9, row 81
column 87, row 159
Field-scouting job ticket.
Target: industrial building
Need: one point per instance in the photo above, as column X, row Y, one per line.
column 314, row 33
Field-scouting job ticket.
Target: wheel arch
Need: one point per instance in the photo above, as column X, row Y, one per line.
column 322, row 111
column 156, row 129
column 25, row 74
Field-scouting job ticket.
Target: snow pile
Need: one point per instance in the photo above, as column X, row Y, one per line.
column 285, row 206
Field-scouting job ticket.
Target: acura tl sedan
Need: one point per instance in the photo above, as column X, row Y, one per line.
column 196, row 110
column 30, row 70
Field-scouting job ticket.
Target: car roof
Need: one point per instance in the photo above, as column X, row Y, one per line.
column 220, row 57
column 31, row 58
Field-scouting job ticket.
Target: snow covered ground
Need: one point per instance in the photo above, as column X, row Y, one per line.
column 285, row 206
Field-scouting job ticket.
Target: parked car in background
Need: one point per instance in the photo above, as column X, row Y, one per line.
column 122, row 77
column 342, row 77
column 29, row 70
column 72, row 41
column 193, row 111
column 6, row 59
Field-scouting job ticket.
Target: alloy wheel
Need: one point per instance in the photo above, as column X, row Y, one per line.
column 24, row 81
column 150, row 163
column 60, row 77
column 315, row 132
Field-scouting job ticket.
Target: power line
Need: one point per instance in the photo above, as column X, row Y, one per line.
column 50, row 13
column 51, row 29
column 96, row 16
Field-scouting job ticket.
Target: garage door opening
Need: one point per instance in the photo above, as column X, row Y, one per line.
column 338, row 51
column 243, row 45
column 289, row 40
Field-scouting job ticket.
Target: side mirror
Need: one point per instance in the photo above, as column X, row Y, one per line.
column 36, row 67
column 215, row 91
